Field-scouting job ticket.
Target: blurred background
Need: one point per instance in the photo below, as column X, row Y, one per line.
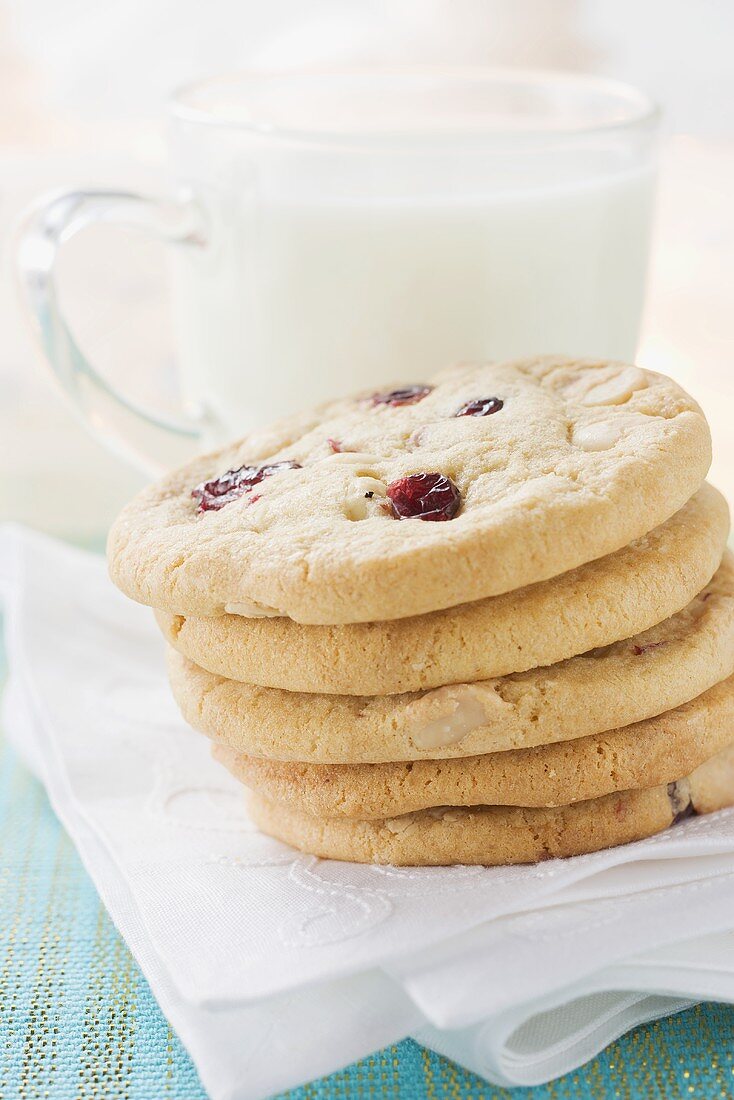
column 83, row 84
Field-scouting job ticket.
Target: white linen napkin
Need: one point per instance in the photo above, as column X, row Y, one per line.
column 275, row 967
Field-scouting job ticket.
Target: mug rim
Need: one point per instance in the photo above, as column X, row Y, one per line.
column 644, row 112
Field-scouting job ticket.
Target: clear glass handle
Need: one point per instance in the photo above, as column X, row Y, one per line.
column 138, row 434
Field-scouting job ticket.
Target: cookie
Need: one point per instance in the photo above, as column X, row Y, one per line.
column 488, row 478
column 597, row 603
column 626, row 682
column 645, row 754
column 498, row 835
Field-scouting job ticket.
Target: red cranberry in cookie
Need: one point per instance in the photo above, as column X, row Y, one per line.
column 424, row 496
column 408, row 395
column 481, row 406
column 213, row 495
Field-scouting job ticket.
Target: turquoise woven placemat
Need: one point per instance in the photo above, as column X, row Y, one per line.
column 78, row 1020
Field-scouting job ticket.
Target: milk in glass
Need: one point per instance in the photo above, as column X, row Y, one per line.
column 330, row 270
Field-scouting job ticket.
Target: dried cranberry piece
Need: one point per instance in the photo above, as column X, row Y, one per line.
column 408, row 395
column 424, row 496
column 481, row 406
column 213, row 495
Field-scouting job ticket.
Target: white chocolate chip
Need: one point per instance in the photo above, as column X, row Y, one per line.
column 596, row 437
column 401, row 825
column 369, row 484
column 617, row 389
column 447, row 813
column 249, row 609
column 453, row 816
column 443, row 717
column 356, row 507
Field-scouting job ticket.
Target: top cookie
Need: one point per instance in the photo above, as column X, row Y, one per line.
column 489, row 478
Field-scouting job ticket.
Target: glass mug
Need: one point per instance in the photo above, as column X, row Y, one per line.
column 347, row 230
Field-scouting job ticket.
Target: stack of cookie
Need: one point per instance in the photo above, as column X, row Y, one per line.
column 488, row 619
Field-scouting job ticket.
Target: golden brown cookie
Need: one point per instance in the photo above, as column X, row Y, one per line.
column 500, row 835
column 611, row 598
column 489, row 478
column 645, row 754
column 626, row 682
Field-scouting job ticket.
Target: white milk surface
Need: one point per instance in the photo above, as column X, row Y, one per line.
column 297, row 301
